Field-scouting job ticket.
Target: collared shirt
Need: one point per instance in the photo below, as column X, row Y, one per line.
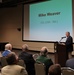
column 6, row 52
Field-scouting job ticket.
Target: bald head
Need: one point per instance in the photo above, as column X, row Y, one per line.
column 44, row 51
column 25, row 47
column 8, row 46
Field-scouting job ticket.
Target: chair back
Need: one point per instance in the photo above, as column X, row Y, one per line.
column 68, row 71
column 35, row 56
column 3, row 61
column 39, row 69
column 0, row 54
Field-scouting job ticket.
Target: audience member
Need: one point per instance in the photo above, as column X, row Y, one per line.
column 54, row 70
column 12, row 68
column 43, row 59
column 70, row 62
column 28, row 60
column 8, row 48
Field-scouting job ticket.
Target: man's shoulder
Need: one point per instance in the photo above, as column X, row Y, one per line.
column 70, row 37
column 47, row 59
column 18, row 66
column 26, row 54
column 70, row 60
column 6, row 52
column 13, row 67
column 29, row 54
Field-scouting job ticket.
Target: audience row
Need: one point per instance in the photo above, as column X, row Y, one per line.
column 12, row 59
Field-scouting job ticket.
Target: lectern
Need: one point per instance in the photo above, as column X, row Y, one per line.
column 60, row 54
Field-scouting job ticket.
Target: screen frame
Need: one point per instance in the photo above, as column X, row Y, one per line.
column 37, row 40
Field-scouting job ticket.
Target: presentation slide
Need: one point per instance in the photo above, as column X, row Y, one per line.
column 47, row 21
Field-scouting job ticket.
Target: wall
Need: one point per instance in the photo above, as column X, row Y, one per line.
column 10, row 20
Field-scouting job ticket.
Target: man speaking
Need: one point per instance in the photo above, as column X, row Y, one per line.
column 69, row 44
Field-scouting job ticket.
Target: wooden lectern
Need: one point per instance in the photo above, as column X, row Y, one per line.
column 60, row 54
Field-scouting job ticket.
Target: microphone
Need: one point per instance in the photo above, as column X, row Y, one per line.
column 63, row 37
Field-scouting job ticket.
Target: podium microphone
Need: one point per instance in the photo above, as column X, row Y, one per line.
column 63, row 37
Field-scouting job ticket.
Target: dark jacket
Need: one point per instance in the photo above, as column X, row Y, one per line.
column 29, row 62
column 69, row 44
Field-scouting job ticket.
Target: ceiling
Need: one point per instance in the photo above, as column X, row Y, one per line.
column 10, row 3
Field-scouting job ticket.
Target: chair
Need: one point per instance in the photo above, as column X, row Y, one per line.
column 68, row 71
column 39, row 69
column 3, row 61
column 35, row 56
column 0, row 54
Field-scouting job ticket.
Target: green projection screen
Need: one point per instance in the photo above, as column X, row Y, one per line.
column 47, row 21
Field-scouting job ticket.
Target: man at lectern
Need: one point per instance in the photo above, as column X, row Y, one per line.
column 69, row 44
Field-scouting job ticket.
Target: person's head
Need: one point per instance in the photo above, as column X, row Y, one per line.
column 12, row 58
column 67, row 34
column 8, row 46
column 25, row 47
column 54, row 70
column 44, row 51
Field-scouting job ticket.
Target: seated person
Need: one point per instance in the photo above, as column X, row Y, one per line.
column 12, row 68
column 28, row 60
column 43, row 59
column 70, row 62
column 54, row 70
column 8, row 48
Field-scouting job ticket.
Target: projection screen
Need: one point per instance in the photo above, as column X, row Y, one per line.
column 47, row 21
